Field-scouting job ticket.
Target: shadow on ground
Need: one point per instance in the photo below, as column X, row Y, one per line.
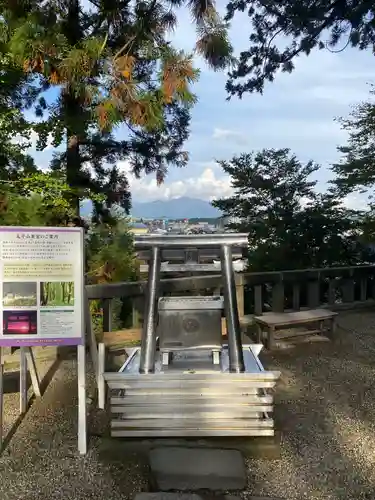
column 12, row 382
column 12, row 418
column 325, row 409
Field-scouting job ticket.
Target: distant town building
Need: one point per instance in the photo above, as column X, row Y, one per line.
column 138, row 228
column 225, row 221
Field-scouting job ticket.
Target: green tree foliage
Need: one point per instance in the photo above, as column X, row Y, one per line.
column 41, row 198
column 14, row 141
column 281, row 30
column 290, row 226
column 54, row 293
column 15, row 130
column 110, row 258
column 112, row 65
column 356, row 170
column 110, row 253
column 17, row 210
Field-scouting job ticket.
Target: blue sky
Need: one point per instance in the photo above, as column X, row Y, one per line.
column 296, row 111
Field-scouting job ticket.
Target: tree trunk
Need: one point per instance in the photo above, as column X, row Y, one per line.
column 73, row 162
column 73, row 109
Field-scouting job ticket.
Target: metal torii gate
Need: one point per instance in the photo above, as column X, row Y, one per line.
column 156, row 243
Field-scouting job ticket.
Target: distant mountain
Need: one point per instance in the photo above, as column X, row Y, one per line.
column 177, row 208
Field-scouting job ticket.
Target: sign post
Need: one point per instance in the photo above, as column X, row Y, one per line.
column 42, row 303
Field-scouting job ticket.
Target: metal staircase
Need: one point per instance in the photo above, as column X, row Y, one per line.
column 188, row 383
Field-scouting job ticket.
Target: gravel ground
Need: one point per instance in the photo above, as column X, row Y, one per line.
column 11, row 394
column 42, row 462
column 325, row 409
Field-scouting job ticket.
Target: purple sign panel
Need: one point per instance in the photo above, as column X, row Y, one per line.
column 41, row 286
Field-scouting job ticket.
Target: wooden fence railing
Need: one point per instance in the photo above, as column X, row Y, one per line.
column 336, row 287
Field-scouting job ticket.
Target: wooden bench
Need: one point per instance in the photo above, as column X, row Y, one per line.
column 271, row 321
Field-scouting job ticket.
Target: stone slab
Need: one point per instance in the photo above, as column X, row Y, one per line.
column 192, row 469
column 162, row 495
column 264, row 447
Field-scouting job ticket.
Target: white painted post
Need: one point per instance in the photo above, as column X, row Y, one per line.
column 101, row 370
column 23, row 381
column 82, row 410
column 90, row 334
column 1, row 398
column 33, row 372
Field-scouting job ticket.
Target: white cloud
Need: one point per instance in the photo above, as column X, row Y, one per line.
column 296, row 111
column 207, row 186
column 32, row 141
column 229, row 135
column 356, row 201
column 336, row 94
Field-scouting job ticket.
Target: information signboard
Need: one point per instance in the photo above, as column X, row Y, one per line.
column 41, row 286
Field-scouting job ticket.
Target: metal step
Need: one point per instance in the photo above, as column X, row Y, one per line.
column 226, row 401
column 181, row 402
column 196, row 423
column 179, row 432
column 220, row 385
column 216, row 377
column 189, row 413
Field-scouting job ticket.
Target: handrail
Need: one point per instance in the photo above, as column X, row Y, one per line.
column 137, row 288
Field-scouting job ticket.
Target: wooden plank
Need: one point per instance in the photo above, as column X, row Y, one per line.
column 128, row 336
column 285, row 335
column 332, row 286
column 240, row 295
column 137, row 310
column 278, row 297
column 299, row 317
column 347, row 287
column 296, row 296
column 33, row 372
column 258, row 299
column 90, row 334
column 313, row 294
column 245, row 322
column 363, row 289
column 107, row 315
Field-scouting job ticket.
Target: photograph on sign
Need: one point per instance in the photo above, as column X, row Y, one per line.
column 22, row 294
column 20, row 323
column 57, row 293
column 41, row 286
